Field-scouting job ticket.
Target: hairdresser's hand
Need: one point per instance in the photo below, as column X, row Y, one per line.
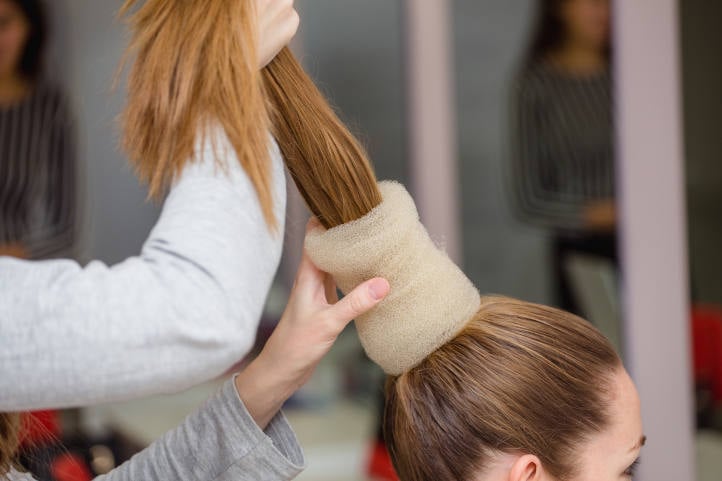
column 277, row 24
column 307, row 330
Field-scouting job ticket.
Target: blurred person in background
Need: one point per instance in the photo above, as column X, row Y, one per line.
column 562, row 166
column 37, row 158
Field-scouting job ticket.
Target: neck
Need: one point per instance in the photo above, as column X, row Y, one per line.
column 12, row 88
column 580, row 59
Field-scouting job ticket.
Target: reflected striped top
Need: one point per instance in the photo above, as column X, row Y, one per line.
column 563, row 148
column 37, row 174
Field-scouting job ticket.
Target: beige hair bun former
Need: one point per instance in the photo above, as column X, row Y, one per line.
column 430, row 301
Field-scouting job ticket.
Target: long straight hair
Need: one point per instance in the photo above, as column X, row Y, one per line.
column 195, row 66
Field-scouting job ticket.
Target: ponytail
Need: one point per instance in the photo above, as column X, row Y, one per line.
column 196, row 65
column 329, row 167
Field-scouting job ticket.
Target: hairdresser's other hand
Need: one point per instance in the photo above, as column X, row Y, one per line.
column 307, row 330
column 277, row 24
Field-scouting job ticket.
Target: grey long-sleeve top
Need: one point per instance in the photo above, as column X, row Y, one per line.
column 182, row 312
column 219, row 442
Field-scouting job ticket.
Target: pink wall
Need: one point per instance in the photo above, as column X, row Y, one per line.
column 432, row 120
column 654, row 231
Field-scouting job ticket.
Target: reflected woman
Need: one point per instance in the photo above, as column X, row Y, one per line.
column 562, row 167
column 37, row 158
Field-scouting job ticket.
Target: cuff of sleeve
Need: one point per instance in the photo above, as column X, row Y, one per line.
column 274, row 453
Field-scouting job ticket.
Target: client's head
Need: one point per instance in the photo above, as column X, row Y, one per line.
column 480, row 389
column 523, row 393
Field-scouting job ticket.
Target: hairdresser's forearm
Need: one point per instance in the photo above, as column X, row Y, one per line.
column 263, row 392
column 219, row 442
column 182, row 313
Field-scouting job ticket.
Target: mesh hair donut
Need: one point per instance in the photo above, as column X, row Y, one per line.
column 430, row 301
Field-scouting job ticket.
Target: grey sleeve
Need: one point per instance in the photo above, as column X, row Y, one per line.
column 218, row 442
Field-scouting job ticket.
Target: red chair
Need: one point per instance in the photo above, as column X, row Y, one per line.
column 70, row 467
column 707, row 350
column 39, row 427
column 380, row 467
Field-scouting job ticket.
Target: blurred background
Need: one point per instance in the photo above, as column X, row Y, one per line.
column 503, row 118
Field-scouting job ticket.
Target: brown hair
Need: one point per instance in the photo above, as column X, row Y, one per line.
column 195, row 64
column 9, row 423
column 520, row 377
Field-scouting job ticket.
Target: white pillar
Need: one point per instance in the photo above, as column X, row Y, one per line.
column 432, row 119
column 653, row 227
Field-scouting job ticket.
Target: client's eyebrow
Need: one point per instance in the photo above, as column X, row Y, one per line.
column 642, row 441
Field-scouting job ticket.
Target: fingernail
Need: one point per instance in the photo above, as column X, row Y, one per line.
column 378, row 288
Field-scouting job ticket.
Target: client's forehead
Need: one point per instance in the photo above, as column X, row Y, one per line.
column 624, row 435
column 625, row 409
column 606, row 455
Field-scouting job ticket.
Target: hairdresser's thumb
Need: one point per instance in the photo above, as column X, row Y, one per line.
column 360, row 300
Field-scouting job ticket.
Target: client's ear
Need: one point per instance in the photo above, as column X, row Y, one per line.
column 527, row 468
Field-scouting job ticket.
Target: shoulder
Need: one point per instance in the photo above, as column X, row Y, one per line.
column 214, row 154
column 532, row 81
column 529, row 85
column 52, row 98
column 49, row 92
column 213, row 147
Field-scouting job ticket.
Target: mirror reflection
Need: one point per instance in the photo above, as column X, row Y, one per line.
column 537, row 186
column 701, row 74
column 542, row 72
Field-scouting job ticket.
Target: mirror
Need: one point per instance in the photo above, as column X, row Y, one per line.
column 701, row 77
column 536, row 153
